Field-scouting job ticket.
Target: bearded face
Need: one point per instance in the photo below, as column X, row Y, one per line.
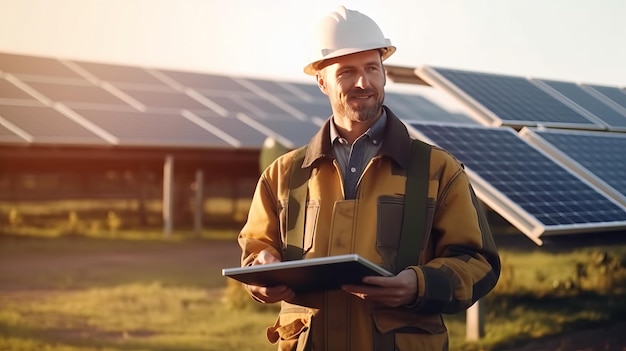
column 359, row 105
column 355, row 86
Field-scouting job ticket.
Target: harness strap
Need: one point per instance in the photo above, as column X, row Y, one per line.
column 296, row 205
column 415, row 206
column 413, row 224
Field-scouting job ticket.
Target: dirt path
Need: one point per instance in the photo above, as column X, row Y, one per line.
column 30, row 265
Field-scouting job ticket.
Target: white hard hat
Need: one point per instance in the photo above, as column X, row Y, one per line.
column 345, row 32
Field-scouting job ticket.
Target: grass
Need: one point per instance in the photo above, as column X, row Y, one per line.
column 80, row 293
column 131, row 317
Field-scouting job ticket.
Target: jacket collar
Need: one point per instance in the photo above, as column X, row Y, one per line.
column 396, row 142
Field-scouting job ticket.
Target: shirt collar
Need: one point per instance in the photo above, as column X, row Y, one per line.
column 397, row 145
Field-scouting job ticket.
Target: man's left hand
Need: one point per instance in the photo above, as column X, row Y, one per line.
column 391, row 291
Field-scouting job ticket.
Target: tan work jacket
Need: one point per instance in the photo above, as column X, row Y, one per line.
column 458, row 265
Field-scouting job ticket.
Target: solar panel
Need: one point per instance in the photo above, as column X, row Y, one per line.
column 171, row 101
column 276, row 89
column 247, row 136
column 595, row 156
column 153, row 129
column 230, row 105
column 577, row 95
column 84, row 94
column 320, row 109
column 8, row 136
column 524, row 185
column 264, row 109
column 613, row 94
column 26, row 66
column 292, row 133
column 119, row 75
column 10, row 91
column 417, row 108
column 505, row 100
column 310, row 91
column 206, row 83
column 44, row 125
column 237, row 111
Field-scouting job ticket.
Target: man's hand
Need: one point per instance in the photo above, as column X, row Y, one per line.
column 390, row 291
column 269, row 294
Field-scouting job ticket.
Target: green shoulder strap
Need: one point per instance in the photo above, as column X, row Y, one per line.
column 296, row 205
column 415, row 206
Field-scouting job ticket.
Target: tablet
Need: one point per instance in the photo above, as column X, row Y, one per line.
column 312, row 274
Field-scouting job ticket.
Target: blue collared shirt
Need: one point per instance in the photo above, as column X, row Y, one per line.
column 354, row 158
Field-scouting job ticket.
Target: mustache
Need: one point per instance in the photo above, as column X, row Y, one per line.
column 359, row 91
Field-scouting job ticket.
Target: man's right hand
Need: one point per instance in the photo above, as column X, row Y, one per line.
column 269, row 294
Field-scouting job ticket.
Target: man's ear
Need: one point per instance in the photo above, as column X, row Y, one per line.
column 321, row 83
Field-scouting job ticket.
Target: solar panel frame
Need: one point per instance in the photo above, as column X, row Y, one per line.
column 614, row 189
column 485, row 116
column 504, row 199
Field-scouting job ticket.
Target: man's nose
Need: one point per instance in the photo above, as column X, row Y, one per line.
column 362, row 81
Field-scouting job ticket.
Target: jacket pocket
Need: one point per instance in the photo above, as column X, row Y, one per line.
column 282, row 221
column 291, row 329
column 389, row 227
column 310, row 223
column 431, row 207
column 413, row 331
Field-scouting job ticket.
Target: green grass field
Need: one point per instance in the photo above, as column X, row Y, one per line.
column 164, row 294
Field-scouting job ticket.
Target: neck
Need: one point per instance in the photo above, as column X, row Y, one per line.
column 352, row 130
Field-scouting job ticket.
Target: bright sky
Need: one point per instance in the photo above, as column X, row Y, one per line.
column 573, row 40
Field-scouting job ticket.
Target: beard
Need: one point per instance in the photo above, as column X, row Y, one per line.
column 360, row 111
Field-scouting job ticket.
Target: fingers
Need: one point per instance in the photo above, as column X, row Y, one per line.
column 271, row 294
column 390, row 291
column 265, row 257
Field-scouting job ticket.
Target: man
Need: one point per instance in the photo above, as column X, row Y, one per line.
column 356, row 167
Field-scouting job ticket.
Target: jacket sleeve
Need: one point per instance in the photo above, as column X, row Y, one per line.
column 262, row 228
column 465, row 265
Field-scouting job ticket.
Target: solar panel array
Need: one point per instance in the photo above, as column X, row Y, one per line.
column 549, row 156
column 527, row 186
column 594, row 106
column 597, row 156
column 546, row 155
column 502, row 100
column 51, row 101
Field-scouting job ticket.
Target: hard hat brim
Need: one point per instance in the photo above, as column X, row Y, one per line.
column 313, row 67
